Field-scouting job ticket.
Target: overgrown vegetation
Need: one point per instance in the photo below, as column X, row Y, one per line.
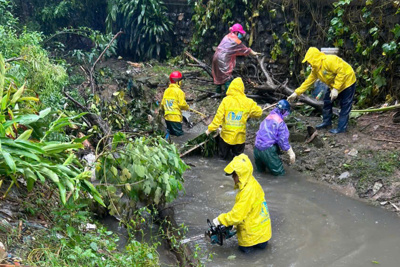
column 147, row 28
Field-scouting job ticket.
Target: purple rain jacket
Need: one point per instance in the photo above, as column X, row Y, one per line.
column 273, row 130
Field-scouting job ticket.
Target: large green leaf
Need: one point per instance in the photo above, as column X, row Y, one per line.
column 49, row 173
column 9, row 160
column 57, row 148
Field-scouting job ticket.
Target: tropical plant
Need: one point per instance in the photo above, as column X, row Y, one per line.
column 31, row 63
column 145, row 24
column 34, row 160
column 146, row 169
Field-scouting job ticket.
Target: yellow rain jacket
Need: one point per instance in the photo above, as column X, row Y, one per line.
column 233, row 113
column 330, row 69
column 250, row 213
column 173, row 102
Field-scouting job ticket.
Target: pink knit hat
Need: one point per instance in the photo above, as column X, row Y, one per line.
column 237, row 28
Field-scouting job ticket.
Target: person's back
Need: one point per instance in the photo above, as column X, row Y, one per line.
column 172, row 103
column 273, row 130
column 273, row 133
column 233, row 113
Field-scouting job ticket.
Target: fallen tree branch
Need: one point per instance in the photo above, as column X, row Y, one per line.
column 14, row 59
column 201, row 64
column 377, row 109
column 385, row 140
column 197, row 146
column 91, row 72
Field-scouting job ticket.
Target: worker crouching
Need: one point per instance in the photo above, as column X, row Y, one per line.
column 272, row 136
column 250, row 213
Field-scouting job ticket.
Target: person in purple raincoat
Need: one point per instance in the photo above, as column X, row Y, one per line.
column 273, row 132
column 224, row 59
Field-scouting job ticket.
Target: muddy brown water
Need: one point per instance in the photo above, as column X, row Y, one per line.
column 312, row 225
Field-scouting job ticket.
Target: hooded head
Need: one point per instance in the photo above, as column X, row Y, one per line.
column 236, row 88
column 242, row 166
column 314, row 57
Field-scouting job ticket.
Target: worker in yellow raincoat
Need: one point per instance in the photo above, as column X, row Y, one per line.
column 233, row 113
column 250, row 213
column 172, row 103
column 341, row 80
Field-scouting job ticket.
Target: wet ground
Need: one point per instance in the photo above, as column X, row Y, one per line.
column 312, row 224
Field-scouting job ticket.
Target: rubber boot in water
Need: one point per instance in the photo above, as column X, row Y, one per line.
column 326, row 119
column 342, row 125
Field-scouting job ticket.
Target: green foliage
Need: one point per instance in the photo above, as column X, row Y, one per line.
column 71, row 243
column 145, row 24
column 42, row 161
column 147, row 169
column 210, row 13
column 49, row 16
column 209, row 149
column 6, row 16
column 42, row 76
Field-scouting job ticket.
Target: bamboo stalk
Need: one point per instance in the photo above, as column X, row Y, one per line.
column 377, row 109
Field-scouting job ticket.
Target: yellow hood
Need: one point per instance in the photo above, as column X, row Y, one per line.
column 314, row 57
column 236, row 88
column 242, row 166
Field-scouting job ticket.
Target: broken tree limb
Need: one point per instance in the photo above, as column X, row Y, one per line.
column 386, row 140
column 201, row 64
column 91, row 72
column 197, row 146
column 376, row 109
column 283, row 88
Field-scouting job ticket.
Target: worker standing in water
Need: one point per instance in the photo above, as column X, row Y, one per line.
column 224, row 59
column 250, row 213
column 272, row 136
column 232, row 114
column 341, row 79
column 173, row 102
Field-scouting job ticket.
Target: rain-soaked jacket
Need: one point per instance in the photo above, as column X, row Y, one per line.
column 173, row 102
column 233, row 113
column 273, row 130
column 224, row 59
column 250, row 213
column 330, row 69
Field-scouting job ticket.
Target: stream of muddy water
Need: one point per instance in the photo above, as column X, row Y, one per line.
column 312, row 225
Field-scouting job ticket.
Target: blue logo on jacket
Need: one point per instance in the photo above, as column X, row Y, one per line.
column 235, row 117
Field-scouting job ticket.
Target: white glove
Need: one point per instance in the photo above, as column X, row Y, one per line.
column 334, row 94
column 292, row 97
column 292, row 156
column 208, row 132
column 216, row 222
